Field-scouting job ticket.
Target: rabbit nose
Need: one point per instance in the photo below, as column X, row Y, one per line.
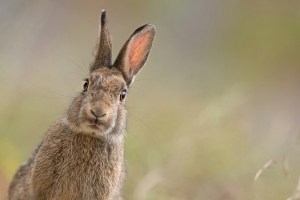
column 96, row 115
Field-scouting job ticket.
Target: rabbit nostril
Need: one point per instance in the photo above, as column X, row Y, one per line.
column 97, row 116
column 93, row 113
column 103, row 115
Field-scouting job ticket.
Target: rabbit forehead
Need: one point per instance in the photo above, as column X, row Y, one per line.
column 107, row 78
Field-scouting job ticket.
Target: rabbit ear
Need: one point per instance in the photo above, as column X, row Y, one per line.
column 135, row 52
column 103, row 51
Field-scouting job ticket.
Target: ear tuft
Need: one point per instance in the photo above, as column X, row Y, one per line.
column 103, row 17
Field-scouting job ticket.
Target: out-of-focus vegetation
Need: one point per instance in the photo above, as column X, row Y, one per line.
column 218, row 97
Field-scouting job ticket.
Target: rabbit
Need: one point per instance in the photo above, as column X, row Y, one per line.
column 82, row 154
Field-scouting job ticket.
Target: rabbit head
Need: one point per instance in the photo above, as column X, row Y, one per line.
column 99, row 109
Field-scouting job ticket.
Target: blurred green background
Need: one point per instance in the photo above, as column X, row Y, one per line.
column 218, row 97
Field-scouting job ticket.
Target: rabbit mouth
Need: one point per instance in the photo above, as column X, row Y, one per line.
column 94, row 126
column 99, row 126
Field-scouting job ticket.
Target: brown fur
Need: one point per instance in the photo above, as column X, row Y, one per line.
column 82, row 155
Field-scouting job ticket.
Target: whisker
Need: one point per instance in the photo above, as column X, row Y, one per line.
column 72, row 73
column 131, row 107
column 82, row 57
column 146, row 80
column 69, row 83
column 141, row 121
column 74, row 63
column 51, row 91
column 136, row 138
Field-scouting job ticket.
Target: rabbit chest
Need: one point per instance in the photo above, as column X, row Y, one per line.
column 78, row 167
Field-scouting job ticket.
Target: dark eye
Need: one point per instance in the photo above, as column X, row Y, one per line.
column 123, row 95
column 85, row 85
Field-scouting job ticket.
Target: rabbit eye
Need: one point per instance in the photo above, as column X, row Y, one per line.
column 123, row 95
column 85, row 85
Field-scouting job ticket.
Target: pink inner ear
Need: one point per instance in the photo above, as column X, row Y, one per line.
column 137, row 52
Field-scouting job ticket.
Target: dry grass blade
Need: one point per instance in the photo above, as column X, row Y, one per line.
column 285, row 165
column 285, row 161
column 266, row 166
column 151, row 179
column 296, row 194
